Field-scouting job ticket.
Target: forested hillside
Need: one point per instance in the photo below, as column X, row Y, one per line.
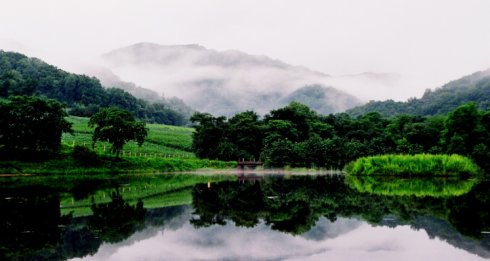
column 21, row 75
column 471, row 88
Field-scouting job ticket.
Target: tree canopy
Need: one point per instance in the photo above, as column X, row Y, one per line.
column 117, row 126
column 296, row 136
column 31, row 126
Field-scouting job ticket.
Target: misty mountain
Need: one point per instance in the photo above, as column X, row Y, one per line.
column 471, row 88
column 84, row 95
column 322, row 99
column 227, row 82
column 109, row 80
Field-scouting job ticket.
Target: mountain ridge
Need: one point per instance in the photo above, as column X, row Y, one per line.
column 470, row 88
column 220, row 82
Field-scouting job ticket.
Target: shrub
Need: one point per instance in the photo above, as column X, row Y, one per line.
column 85, row 156
column 417, row 165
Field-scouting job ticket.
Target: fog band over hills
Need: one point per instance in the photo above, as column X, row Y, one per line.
column 231, row 81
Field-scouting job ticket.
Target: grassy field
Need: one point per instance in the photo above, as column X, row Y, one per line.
column 162, row 140
column 166, row 149
column 413, row 165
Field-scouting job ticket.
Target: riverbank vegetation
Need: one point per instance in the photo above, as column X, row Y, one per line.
column 166, row 149
column 298, row 137
column 413, row 165
column 65, row 164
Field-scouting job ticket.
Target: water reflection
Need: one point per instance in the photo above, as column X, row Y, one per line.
column 116, row 220
column 420, row 187
column 266, row 217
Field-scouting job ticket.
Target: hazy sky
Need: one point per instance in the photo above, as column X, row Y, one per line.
column 427, row 42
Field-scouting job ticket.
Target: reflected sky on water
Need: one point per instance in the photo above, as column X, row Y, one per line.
column 344, row 239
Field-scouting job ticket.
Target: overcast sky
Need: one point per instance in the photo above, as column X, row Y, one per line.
column 427, row 42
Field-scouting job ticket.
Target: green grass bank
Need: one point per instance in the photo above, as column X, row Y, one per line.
column 166, row 149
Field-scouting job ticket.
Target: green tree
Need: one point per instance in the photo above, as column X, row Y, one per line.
column 296, row 117
column 117, row 126
column 279, row 153
column 463, row 129
column 246, row 131
column 31, row 126
column 209, row 134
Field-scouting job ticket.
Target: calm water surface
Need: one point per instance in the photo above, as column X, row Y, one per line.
column 253, row 217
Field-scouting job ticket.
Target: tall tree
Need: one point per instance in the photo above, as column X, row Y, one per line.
column 463, row 129
column 210, row 132
column 117, row 126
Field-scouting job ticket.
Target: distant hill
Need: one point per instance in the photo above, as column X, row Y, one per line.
column 324, row 100
column 227, row 82
column 471, row 88
column 21, row 75
column 108, row 79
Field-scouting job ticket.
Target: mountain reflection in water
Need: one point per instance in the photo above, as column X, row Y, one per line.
column 272, row 218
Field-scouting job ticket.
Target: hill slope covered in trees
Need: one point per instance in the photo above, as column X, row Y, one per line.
column 471, row 88
column 21, row 75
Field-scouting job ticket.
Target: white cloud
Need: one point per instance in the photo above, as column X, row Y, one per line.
column 356, row 241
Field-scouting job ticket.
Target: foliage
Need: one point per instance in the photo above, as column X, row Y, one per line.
column 298, row 137
column 65, row 164
column 209, row 134
column 85, row 156
column 20, row 75
column 163, row 140
column 472, row 88
column 31, row 127
column 416, row 165
column 117, row 127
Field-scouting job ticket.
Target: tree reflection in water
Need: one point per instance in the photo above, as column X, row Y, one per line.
column 295, row 204
column 32, row 227
column 116, row 220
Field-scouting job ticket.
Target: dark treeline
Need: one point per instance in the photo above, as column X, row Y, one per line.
column 31, row 127
column 21, row 75
column 297, row 136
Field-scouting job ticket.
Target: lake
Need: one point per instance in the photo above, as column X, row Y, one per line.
column 243, row 217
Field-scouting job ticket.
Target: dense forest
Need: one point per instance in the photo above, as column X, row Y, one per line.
column 297, row 136
column 84, row 96
column 471, row 88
